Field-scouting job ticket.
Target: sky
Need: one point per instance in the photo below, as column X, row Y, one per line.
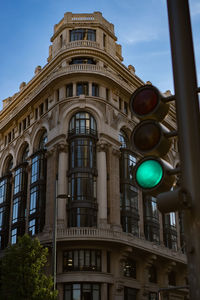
column 141, row 27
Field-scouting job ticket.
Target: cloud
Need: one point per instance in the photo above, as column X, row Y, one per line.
column 140, row 35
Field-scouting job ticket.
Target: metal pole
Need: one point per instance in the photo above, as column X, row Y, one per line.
column 188, row 121
column 54, row 254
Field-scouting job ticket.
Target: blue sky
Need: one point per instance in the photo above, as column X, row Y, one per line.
column 141, row 27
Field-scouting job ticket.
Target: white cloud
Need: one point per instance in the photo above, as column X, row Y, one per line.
column 140, row 35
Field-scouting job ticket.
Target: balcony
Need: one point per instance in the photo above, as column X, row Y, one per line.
column 110, row 236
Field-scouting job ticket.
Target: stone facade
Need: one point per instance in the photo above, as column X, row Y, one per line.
column 59, row 140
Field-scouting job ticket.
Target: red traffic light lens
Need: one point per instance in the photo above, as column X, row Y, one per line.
column 146, row 136
column 145, row 101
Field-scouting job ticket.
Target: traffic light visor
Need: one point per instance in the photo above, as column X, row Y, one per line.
column 149, row 174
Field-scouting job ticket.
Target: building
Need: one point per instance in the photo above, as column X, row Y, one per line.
column 65, row 146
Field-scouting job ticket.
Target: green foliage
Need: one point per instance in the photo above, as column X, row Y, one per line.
column 23, row 276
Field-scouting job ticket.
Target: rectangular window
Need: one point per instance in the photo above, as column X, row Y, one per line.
column 18, row 181
column 95, row 90
column 9, row 137
column 35, row 169
column 33, row 200
column 28, row 120
column 82, row 260
column 82, row 88
column 3, row 185
column 36, row 113
column 82, row 34
column 13, row 134
column 57, row 95
column 69, row 90
column 120, row 103
column 104, row 40
column 46, row 104
column 107, row 94
column 126, row 108
column 24, row 124
column 14, row 236
column 31, row 227
column 130, row 268
column 41, row 109
column 15, row 216
column 20, row 127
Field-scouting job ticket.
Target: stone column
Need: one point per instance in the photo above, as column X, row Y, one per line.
column 90, row 89
column 74, row 89
column 114, row 188
column 102, row 184
column 62, row 185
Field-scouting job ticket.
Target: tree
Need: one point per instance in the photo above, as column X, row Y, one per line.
column 23, row 272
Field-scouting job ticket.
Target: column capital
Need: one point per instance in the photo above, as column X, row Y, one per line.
column 62, row 147
column 102, row 146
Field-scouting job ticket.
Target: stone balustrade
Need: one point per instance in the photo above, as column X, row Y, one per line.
column 100, row 234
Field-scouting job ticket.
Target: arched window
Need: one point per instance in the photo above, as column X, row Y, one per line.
column 38, row 188
column 19, row 197
column 5, row 200
column 82, row 137
column 128, row 192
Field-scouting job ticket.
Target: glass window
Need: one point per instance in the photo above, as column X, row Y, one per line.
column 130, row 294
column 82, row 60
column 35, row 169
column 43, row 141
column 84, row 291
column 95, row 90
column 3, row 186
column 33, row 200
column 18, row 181
column 153, row 274
column 151, row 219
column 126, row 108
column 82, row 260
column 69, row 90
column 14, row 236
column 123, row 139
column 82, row 123
column 82, row 88
column 31, row 227
column 16, row 203
column 172, row 278
column 129, row 268
column 153, row 296
column 82, row 34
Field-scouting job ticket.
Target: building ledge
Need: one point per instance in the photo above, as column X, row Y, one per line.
column 110, row 236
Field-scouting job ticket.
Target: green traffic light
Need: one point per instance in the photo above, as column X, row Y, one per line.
column 149, row 174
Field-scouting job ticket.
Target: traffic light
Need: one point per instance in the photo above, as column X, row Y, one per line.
column 151, row 139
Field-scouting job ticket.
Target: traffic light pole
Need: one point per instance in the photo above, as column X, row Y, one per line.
column 188, row 121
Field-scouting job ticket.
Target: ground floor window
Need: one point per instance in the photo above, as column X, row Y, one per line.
column 82, row 291
column 130, row 294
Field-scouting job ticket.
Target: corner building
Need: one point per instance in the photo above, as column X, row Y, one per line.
column 65, row 136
